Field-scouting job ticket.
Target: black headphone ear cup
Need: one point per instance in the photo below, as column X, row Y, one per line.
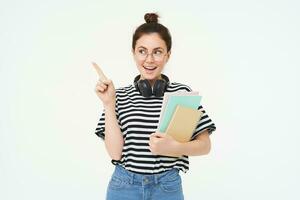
column 159, row 88
column 144, row 88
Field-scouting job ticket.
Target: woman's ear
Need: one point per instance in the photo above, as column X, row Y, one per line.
column 168, row 55
column 133, row 54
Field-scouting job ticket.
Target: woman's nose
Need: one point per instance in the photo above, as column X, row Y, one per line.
column 149, row 58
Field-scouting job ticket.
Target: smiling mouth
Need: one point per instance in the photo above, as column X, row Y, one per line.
column 150, row 68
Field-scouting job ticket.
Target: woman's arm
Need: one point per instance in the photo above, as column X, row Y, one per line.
column 200, row 146
column 162, row 144
column 113, row 136
column 114, row 141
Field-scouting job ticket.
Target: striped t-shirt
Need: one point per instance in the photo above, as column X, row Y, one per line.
column 138, row 117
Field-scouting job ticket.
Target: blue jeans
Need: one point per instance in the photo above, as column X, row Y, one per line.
column 126, row 185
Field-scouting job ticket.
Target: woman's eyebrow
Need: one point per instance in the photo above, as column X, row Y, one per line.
column 153, row 49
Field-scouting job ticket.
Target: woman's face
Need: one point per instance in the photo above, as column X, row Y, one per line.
column 150, row 55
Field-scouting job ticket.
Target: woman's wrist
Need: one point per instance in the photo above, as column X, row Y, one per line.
column 177, row 148
column 109, row 106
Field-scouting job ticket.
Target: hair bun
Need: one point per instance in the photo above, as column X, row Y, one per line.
column 151, row 18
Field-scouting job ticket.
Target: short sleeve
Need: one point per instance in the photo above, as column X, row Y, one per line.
column 100, row 129
column 205, row 123
column 101, row 126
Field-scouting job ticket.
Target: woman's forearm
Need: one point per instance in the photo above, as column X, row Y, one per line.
column 194, row 148
column 113, row 136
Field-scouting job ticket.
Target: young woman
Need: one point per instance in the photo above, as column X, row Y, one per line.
column 146, row 165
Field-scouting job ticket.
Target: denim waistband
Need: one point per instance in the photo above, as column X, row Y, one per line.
column 136, row 178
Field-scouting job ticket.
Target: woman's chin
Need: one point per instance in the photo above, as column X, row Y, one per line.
column 150, row 76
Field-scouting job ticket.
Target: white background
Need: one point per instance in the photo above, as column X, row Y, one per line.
column 243, row 57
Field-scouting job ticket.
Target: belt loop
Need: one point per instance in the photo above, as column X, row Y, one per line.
column 131, row 178
column 156, row 178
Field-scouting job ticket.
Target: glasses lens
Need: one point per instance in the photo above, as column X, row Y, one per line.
column 157, row 56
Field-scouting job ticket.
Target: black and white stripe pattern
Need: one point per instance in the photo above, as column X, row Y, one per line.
column 138, row 118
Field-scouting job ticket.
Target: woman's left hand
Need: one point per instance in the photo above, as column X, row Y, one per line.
column 163, row 144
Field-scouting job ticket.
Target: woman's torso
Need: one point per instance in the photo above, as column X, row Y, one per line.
column 138, row 118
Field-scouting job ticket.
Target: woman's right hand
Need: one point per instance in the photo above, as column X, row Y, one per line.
column 106, row 92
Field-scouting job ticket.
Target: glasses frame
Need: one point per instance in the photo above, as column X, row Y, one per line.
column 144, row 57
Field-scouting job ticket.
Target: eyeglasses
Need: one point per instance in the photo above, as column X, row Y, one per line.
column 158, row 55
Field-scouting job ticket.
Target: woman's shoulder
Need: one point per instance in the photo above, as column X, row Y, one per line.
column 125, row 89
column 177, row 86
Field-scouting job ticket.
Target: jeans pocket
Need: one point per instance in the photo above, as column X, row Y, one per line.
column 171, row 185
column 115, row 183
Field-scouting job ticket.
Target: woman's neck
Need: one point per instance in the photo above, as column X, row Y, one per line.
column 153, row 80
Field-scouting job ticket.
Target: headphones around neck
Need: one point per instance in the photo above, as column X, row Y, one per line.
column 145, row 89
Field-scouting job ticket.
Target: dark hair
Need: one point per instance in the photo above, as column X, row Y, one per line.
column 152, row 26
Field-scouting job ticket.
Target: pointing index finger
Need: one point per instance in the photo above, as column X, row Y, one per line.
column 100, row 73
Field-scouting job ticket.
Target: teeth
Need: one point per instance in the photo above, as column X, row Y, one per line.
column 150, row 68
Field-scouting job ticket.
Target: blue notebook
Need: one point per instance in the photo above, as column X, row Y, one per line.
column 190, row 101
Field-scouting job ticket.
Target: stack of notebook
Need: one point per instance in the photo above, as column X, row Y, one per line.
column 179, row 115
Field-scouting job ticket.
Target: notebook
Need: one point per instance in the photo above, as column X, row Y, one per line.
column 183, row 123
column 185, row 99
column 166, row 97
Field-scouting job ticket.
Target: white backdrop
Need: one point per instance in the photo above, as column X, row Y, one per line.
column 243, row 57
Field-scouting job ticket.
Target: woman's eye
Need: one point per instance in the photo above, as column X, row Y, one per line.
column 157, row 52
column 142, row 51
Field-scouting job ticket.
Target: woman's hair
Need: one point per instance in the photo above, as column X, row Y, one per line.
column 152, row 26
